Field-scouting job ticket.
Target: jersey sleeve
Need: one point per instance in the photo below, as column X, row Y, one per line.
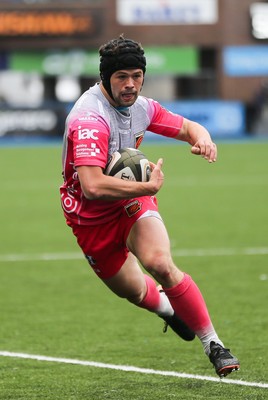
column 163, row 122
column 90, row 142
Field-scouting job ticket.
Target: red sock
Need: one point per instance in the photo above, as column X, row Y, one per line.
column 188, row 304
column 152, row 299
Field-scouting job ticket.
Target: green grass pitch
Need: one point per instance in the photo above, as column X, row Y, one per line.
column 53, row 305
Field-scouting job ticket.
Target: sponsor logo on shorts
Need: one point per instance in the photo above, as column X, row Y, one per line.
column 133, row 208
column 91, row 260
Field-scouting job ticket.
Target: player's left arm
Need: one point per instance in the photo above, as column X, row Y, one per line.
column 199, row 138
column 175, row 126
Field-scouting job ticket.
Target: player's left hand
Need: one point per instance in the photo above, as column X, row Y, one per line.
column 206, row 149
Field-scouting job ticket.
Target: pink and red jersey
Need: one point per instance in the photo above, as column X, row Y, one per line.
column 94, row 130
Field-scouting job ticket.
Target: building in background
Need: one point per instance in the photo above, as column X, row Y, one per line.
column 207, row 59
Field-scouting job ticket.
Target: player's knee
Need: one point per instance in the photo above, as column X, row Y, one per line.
column 136, row 298
column 159, row 265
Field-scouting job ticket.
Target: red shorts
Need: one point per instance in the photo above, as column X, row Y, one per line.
column 104, row 245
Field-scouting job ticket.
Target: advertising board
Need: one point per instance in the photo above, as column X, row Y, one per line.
column 245, row 60
column 168, row 12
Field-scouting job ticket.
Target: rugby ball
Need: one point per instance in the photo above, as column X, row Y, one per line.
column 129, row 164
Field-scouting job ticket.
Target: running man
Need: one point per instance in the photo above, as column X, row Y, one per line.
column 116, row 222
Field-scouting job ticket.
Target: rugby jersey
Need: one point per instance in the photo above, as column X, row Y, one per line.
column 94, row 130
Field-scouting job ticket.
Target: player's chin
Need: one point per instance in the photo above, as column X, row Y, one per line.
column 128, row 99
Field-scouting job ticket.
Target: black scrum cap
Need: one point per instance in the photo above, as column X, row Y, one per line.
column 120, row 54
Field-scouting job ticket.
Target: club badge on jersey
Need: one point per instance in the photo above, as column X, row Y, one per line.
column 139, row 138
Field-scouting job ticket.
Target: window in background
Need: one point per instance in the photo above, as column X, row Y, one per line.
column 204, row 83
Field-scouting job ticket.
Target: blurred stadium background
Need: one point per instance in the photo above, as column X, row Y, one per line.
column 209, row 59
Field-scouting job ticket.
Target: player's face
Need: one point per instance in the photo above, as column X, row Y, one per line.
column 126, row 86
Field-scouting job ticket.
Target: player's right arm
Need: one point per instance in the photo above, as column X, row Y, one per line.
column 90, row 139
column 96, row 185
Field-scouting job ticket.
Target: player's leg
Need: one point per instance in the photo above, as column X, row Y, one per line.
column 140, row 289
column 148, row 240
column 108, row 256
column 104, row 248
column 128, row 282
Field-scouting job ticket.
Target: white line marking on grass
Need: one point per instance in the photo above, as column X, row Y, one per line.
column 129, row 368
column 41, row 257
column 247, row 251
